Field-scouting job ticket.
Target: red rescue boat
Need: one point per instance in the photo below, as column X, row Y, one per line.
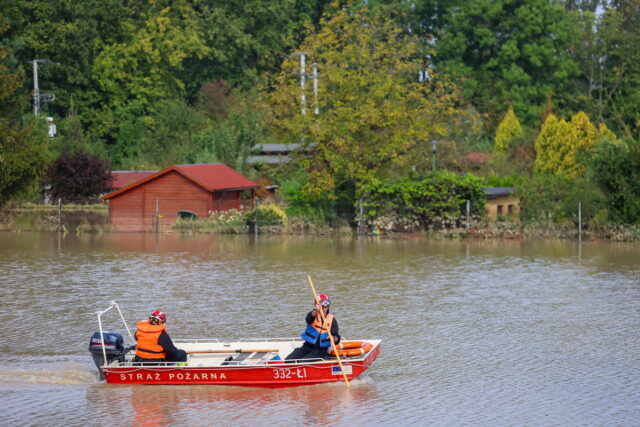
column 254, row 362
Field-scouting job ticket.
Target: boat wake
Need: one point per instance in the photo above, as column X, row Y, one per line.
column 65, row 374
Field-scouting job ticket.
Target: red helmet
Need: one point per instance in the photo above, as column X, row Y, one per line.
column 324, row 300
column 159, row 316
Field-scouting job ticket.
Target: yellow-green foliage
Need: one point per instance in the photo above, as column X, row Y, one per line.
column 272, row 215
column 373, row 113
column 509, row 130
column 559, row 142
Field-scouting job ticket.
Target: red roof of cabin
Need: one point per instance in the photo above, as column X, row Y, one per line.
column 478, row 158
column 123, row 178
column 210, row 176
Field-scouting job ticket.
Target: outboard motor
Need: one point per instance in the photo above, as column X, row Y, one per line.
column 113, row 346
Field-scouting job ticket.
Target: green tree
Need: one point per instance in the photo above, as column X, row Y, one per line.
column 615, row 169
column 509, row 53
column 78, row 177
column 622, row 84
column 170, row 138
column 560, row 143
column 508, row 132
column 72, row 34
column 436, row 196
column 246, row 38
column 555, row 198
column 23, row 152
column 373, row 113
column 145, row 69
column 235, row 125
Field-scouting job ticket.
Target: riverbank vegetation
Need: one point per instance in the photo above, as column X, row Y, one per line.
column 390, row 104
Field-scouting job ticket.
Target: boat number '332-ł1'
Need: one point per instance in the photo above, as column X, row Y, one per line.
column 286, row 373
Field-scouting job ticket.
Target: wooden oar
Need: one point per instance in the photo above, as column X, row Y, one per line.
column 324, row 322
column 240, row 350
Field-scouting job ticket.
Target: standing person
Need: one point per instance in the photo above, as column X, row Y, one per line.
column 316, row 337
column 154, row 343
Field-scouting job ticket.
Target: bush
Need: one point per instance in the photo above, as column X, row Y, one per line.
column 425, row 201
column 301, row 204
column 615, row 169
column 555, row 199
column 78, row 177
column 268, row 215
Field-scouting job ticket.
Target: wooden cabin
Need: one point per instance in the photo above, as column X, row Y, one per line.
column 502, row 204
column 154, row 202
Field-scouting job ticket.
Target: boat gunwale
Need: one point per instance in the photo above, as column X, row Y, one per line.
column 316, row 362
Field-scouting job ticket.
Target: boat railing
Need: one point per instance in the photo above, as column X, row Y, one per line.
column 100, row 313
column 262, row 339
column 134, row 364
column 217, row 341
column 197, row 340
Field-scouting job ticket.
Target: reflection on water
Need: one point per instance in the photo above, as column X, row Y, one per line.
column 202, row 405
column 478, row 332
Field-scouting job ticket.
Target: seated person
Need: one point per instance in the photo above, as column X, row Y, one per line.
column 154, row 343
column 316, row 337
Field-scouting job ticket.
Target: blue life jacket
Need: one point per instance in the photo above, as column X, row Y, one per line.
column 316, row 334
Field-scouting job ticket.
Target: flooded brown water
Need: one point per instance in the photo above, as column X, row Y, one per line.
column 486, row 333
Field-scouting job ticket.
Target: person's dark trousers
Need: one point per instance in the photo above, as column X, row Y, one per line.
column 308, row 351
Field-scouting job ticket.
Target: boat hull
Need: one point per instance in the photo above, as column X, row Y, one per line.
column 272, row 375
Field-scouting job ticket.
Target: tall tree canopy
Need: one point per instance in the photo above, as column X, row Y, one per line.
column 560, row 143
column 509, row 52
column 509, row 130
column 22, row 147
column 374, row 115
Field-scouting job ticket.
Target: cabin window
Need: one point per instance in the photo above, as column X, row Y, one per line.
column 499, row 209
column 511, row 209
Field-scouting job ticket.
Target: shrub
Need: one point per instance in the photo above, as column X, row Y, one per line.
column 555, row 199
column 78, row 177
column 425, row 201
column 268, row 214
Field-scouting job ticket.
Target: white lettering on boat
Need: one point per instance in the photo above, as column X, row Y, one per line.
column 289, row 373
column 195, row 376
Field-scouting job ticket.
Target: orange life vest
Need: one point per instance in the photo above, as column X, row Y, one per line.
column 147, row 336
column 317, row 329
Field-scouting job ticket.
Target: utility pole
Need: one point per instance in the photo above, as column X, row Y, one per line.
column 36, row 88
column 303, row 82
column 314, row 75
column 38, row 98
column 433, row 144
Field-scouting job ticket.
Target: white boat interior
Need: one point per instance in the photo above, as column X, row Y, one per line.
column 251, row 352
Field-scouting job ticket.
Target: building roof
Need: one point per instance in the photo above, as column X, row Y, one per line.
column 275, row 148
column 210, row 176
column 478, row 158
column 493, row 192
column 124, row 178
column 268, row 159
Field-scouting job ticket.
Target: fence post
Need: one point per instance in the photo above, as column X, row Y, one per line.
column 59, row 214
column 157, row 216
column 361, row 219
column 468, row 211
column 580, row 221
column 256, row 229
